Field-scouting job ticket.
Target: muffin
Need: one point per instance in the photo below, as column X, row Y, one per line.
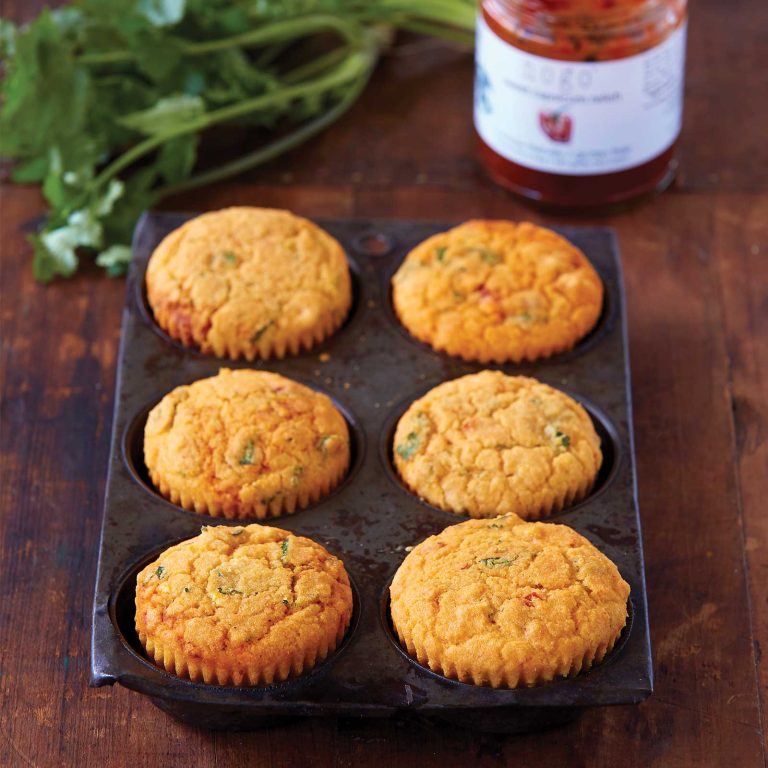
column 245, row 444
column 497, row 291
column 489, row 444
column 255, row 282
column 508, row 603
column 242, row 606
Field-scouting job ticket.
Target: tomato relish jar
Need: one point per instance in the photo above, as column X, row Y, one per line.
column 578, row 103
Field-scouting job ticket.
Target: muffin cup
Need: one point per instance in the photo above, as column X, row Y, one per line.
column 552, row 504
column 274, row 345
column 294, row 664
column 503, row 676
column 286, row 503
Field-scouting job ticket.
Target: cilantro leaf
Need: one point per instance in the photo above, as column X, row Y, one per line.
column 165, row 115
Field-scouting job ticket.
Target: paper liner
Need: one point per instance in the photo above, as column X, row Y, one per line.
column 295, row 662
column 271, row 345
column 286, row 503
column 503, row 676
column 521, row 354
column 551, row 502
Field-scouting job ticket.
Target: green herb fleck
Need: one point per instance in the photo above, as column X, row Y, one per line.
column 157, row 573
column 298, row 471
column 247, row 457
column 440, row 251
column 238, row 531
column 487, row 255
column 458, row 296
column 409, row 447
column 284, row 548
column 562, row 441
column 322, row 444
column 495, row 562
column 285, row 601
column 229, row 591
column 495, row 525
column 230, row 257
column 261, row 331
column 187, row 589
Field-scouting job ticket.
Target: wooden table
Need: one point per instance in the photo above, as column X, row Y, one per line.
column 696, row 262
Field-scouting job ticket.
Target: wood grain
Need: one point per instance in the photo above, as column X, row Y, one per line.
column 697, row 287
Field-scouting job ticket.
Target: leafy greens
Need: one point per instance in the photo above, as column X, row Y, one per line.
column 104, row 103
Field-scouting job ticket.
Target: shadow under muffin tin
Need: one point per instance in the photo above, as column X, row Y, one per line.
column 372, row 369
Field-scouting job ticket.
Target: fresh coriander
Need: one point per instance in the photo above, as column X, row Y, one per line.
column 158, row 574
column 105, row 106
column 495, row 562
column 247, row 457
column 409, row 447
column 260, row 331
column 229, row 591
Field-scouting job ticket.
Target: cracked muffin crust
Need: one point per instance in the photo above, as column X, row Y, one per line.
column 252, row 282
column 244, row 605
column 507, row 603
column 497, row 291
column 488, row 444
column 245, row 444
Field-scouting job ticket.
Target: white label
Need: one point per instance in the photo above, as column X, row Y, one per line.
column 578, row 118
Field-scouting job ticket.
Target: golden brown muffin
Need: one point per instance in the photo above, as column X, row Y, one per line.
column 497, row 291
column 245, row 444
column 489, row 444
column 255, row 282
column 508, row 603
column 242, row 606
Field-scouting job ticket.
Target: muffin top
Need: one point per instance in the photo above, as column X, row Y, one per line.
column 249, row 281
column 235, row 597
column 505, row 599
column 497, row 291
column 244, row 439
column 488, row 444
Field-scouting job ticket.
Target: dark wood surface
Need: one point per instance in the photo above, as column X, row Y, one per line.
column 696, row 263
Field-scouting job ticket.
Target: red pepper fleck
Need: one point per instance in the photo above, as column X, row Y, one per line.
column 487, row 293
column 528, row 599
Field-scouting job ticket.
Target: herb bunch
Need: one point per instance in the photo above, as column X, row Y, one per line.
column 105, row 102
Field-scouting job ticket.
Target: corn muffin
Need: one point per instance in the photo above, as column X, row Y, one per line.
column 489, row 444
column 242, row 606
column 496, row 291
column 508, row 603
column 255, row 282
column 245, row 444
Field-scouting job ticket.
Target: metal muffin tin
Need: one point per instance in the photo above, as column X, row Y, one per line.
column 372, row 369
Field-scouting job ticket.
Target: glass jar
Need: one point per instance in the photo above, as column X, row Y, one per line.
column 578, row 103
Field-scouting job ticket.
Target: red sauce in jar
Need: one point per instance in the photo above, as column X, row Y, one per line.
column 578, row 103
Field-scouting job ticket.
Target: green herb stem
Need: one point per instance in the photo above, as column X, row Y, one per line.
column 273, row 149
column 350, row 69
column 277, row 32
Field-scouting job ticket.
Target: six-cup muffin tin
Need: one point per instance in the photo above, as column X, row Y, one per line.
column 372, row 369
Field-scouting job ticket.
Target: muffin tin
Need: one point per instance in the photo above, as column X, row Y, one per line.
column 372, row 369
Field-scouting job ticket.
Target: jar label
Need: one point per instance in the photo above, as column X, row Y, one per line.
column 578, row 118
